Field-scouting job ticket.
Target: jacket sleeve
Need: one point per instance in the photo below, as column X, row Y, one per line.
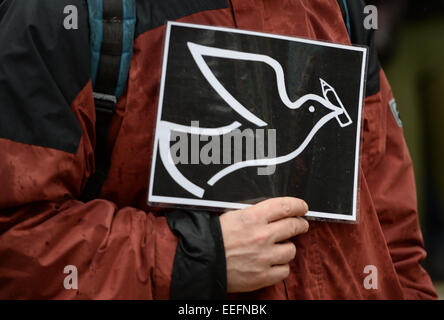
column 389, row 173
column 47, row 136
column 46, row 156
column 126, row 253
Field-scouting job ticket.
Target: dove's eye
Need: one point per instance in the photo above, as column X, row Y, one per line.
column 311, row 109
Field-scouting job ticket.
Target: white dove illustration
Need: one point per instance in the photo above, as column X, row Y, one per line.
column 330, row 100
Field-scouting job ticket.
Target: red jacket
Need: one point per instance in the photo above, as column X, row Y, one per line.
column 122, row 248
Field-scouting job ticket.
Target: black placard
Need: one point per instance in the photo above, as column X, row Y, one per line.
column 245, row 116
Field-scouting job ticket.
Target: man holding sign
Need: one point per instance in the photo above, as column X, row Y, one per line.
column 51, row 97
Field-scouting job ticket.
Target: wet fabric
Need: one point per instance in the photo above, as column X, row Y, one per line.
column 41, row 74
column 124, row 249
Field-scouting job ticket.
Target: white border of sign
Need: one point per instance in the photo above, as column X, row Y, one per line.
column 232, row 205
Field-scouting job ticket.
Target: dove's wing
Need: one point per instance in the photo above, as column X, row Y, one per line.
column 165, row 129
column 198, row 51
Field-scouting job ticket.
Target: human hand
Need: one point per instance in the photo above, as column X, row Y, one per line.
column 255, row 239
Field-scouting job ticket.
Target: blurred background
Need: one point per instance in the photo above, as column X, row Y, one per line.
column 410, row 42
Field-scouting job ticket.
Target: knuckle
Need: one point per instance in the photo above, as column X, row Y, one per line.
column 292, row 251
column 304, row 206
column 285, row 205
column 262, row 277
column 295, row 226
column 245, row 217
column 306, row 225
column 285, row 271
column 254, row 214
column 302, row 225
column 265, row 259
column 288, row 252
column 261, row 236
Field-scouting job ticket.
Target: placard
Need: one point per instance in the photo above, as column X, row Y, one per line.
column 246, row 116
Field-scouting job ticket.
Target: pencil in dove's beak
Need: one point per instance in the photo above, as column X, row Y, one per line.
column 330, row 94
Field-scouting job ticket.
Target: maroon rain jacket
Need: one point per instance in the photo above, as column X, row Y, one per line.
column 124, row 249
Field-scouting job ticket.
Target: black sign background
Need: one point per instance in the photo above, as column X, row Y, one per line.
column 323, row 174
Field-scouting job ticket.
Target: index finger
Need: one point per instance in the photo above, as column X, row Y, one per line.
column 279, row 208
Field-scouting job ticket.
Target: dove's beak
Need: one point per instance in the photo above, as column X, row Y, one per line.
column 330, row 94
column 344, row 119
